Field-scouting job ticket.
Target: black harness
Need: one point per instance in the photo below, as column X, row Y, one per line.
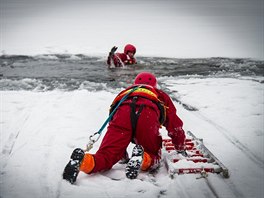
column 135, row 112
column 134, row 115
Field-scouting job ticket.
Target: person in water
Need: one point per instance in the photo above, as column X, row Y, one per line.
column 121, row 59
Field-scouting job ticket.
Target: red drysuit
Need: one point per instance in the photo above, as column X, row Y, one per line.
column 119, row 131
column 120, row 59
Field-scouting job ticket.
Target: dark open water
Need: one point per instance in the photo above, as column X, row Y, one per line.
column 77, row 71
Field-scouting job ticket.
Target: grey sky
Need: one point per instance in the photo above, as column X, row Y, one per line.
column 179, row 28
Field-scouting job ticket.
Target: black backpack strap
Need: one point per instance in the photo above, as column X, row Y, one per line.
column 162, row 109
column 134, row 115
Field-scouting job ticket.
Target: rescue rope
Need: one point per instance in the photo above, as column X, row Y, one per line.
column 89, row 146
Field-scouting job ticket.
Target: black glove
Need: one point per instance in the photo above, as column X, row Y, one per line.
column 183, row 153
column 112, row 52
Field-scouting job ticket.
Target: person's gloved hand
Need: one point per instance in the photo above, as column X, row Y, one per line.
column 113, row 50
column 180, row 146
column 181, row 149
column 183, row 153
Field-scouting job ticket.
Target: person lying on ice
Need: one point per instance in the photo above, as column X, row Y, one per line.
column 122, row 59
column 137, row 119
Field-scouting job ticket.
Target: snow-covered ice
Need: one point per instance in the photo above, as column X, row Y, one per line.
column 39, row 130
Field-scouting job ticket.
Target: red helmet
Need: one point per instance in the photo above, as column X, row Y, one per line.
column 146, row 78
column 129, row 48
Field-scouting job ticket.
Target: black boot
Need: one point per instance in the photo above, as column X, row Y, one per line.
column 134, row 164
column 72, row 169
